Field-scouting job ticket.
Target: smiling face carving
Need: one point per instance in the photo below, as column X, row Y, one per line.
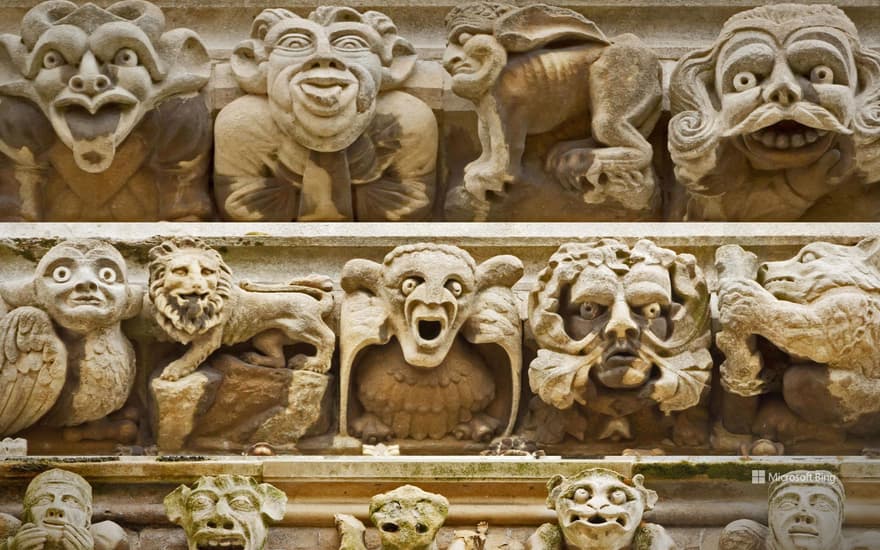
column 226, row 511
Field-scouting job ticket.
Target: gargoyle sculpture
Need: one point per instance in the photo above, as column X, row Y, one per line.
column 65, row 361
column 194, row 302
column 414, row 335
column 599, row 509
column 799, row 337
column 58, row 515
column 407, row 518
column 778, row 119
column 226, row 511
column 514, row 62
column 806, row 511
column 324, row 134
column 102, row 116
column 621, row 331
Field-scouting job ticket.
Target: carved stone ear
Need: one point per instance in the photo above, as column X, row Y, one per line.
column 13, row 57
column 537, row 25
column 175, row 504
column 503, row 271
column 273, row 503
column 19, row 293
column 403, row 63
column 248, row 64
column 359, row 274
column 650, row 496
column 554, row 486
column 186, row 60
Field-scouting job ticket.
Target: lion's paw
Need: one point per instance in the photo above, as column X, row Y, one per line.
column 481, row 427
column 369, row 429
column 176, row 370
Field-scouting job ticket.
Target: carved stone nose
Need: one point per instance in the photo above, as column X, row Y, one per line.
column 89, row 84
column 325, row 62
column 87, row 285
column 55, row 512
column 782, row 87
column 451, row 57
column 621, row 323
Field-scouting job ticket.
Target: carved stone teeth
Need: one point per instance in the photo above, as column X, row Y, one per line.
column 821, row 132
column 782, row 141
column 768, row 138
column 798, row 140
column 812, row 135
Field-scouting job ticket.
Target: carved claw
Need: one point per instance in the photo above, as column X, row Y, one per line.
column 481, row 178
column 313, row 363
column 261, row 360
column 369, row 429
column 176, row 370
column 480, row 428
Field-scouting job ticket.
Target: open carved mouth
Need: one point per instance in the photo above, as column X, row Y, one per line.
column 598, row 520
column 193, row 296
column 230, row 541
column 429, row 328
column 787, row 135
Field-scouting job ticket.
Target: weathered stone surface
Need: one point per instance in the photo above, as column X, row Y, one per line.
column 103, row 117
column 778, row 119
column 65, row 361
column 599, row 509
column 799, row 337
column 58, row 514
column 226, row 510
column 324, row 134
column 414, row 335
column 540, row 69
column 621, row 332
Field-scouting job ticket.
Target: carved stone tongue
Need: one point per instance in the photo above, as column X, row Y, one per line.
column 94, row 146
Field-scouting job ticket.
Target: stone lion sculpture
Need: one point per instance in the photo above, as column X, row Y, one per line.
column 226, row 511
column 779, row 119
column 325, row 133
column 623, row 334
column 599, row 509
column 495, row 51
column 103, row 117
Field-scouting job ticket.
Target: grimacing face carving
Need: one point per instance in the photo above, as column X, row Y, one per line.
column 323, row 74
column 408, row 518
column 57, row 502
column 82, row 285
column 225, row 511
column 598, row 509
column 806, row 511
column 473, row 57
column 96, row 72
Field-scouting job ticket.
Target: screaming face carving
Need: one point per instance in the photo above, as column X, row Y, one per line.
column 433, row 300
column 329, row 126
column 96, row 74
column 620, row 330
column 778, row 115
column 226, row 511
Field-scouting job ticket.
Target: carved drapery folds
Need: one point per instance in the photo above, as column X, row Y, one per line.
column 621, row 332
column 194, row 301
column 103, row 120
column 325, row 134
column 800, row 342
column 778, row 119
column 541, row 69
column 430, row 345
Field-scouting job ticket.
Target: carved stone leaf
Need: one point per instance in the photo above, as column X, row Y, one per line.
column 683, row 379
column 552, row 376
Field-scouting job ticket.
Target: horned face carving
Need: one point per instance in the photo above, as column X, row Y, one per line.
column 95, row 74
column 433, row 300
column 779, row 114
column 329, row 120
column 620, row 329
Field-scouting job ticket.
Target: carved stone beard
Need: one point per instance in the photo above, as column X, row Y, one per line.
column 184, row 319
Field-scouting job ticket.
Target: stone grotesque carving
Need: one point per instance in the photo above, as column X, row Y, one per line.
column 806, row 512
column 799, row 338
column 58, row 516
column 407, row 518
column 195, row 302
column 779, row 119
column 414, row 338
column 226, row 511
column 620, row 330
column 599, row 509
column 496, row 51
column 104, row 120
column 324, row 134
column 65, row 360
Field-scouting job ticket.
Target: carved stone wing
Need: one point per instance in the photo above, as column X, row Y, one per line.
column 535, row 26
column 33, row 368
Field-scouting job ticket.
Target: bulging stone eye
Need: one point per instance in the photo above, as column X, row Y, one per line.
column 61, row 274
column 581, row 496
column 52, row 59
column 409, row 284
column 590, row 310
column 295, row 41
column 464, row 37
column 107, row 274
column 351, row 43
column 651, row 311
column 454, row 287
column 126, row 57
column 617, row 496
column 807, row 257
column 822, row 74
column 744, row 81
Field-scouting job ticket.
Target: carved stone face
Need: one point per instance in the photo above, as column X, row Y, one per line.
column 323, row 80
column 408, row 518
column 430, row 292
column 82, row 285
column 473, row 57
column 57, row 498
column 597, row 509
column 806, row 517
column 225, row 512
column 785, row 96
